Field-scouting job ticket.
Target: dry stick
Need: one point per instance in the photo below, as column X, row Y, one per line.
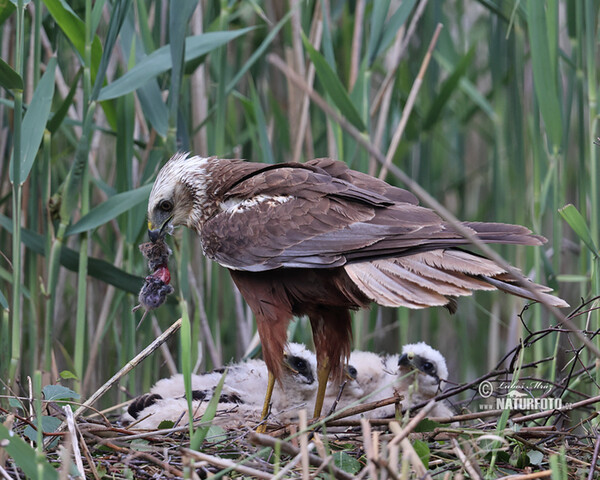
column 289, row 449
column 304, row 444
column 416, row 461
column 74, row 442
column 528, row 476
column 164, row 350
column 410, row 102
column 357, row 35
column 366, row 407
column 204, row 325
column 401, row 434
column 102, row 320
column 465, row 461
column 288, row 468
column 146, row 352
column 391, row 60
column 428, row 200
column 225, row 463
column 594, row 458
column 387, row 82
column 88, row 457
column 304, row 131
column 545, row 413
column 368, row 447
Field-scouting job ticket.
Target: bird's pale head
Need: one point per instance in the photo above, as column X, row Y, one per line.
column 176, row 197
column 428, row 364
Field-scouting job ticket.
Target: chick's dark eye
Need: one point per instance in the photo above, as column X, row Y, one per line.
column 428, row 367
column 165, row 205
column 300, row 364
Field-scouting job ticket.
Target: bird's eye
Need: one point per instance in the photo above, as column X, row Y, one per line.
column 428, row 367
column 300, row 365
column 165, row 205
column 352, row 371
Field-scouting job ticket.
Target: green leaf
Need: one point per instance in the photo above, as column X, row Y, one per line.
column 544, row 76
column 26, row 457
column 68, row 375
column 69, row 258
column 378, row 16
column 535, row 457
column 58, row 392
column 9, row 79
column 216, row 434
column 333, row 86
column 117, row 16
column 423, row 452
column 6, row 10
column 34, row 122
column 393, row 25
column 3, row 302
column 110, row 209
column 447, row 89
column 346, row 462
column 60, row 114
column 576, row 221
column 49, row 425
column 159, row 61
column 261, row 125
column 74, row 29
column 427, row 425
column 209, row 414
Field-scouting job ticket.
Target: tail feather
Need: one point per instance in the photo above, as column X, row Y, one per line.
column 434, row 278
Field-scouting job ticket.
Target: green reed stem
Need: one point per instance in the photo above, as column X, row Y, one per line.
column 17, row 201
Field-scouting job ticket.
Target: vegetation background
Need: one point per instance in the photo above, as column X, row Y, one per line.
column 97, row 95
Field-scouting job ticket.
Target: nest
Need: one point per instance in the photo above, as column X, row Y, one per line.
column 482, row 440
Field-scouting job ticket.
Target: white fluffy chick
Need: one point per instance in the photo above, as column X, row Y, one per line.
column 372, row 382
column 242, row 395
column 421, row 373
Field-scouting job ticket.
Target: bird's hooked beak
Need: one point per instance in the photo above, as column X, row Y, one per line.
column 417, row 364
column 155, row 234
column 406, row 360
column 288, row 362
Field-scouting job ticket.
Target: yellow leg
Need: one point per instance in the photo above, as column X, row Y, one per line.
column 262, row 428
column 322, row 375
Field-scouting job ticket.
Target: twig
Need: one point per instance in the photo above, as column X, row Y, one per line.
column 528, row 476
column 225, row 463
column 357, row 35
column 348, row 412
column 594, row 457
column 304, row 444
column 74, row 442
column 368, row 447
column 401, row 434
column 5, row 474
column 465, row 461
column 140, row 357
column 392, row 71
column 289, row 449
column 410, row 102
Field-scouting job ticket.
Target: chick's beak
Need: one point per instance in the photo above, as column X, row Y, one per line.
column 406, row 360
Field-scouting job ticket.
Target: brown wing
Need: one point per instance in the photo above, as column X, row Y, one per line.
column 324, row 215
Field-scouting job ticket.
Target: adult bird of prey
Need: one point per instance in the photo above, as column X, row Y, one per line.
column 320, row 239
